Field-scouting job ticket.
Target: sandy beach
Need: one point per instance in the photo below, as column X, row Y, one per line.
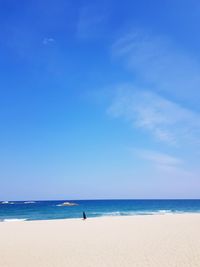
column 144, row 241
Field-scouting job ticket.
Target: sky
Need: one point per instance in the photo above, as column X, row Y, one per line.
column 99, row 99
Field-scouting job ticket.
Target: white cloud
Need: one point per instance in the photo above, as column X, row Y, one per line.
column 159, row 63
column 47, row 41
column 159, row 158
column 162, row 118
column 155, row 104
column 169, row 168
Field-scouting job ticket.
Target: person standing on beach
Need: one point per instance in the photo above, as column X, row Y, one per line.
column 84, row 216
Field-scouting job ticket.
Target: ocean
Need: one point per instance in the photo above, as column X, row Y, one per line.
column 50, row 210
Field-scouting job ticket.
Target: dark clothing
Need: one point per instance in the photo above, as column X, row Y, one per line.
column 84, row 216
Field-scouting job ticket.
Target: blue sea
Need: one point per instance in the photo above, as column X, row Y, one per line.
column 50, row 210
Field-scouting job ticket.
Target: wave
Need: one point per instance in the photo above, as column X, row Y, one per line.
column 115, row 213
column 132, row 213
column 12, row 202
column 112, row 213
column 14, row 220
column 164, row 211
column 7, row 202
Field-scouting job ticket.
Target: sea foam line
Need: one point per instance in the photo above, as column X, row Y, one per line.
column 14, row 220
column 131, row 213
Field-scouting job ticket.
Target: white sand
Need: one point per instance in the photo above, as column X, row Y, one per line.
column 146, row 241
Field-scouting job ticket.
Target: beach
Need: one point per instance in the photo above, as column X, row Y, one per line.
column 170, row 240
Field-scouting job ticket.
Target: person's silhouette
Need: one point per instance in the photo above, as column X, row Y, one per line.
column 84, row 216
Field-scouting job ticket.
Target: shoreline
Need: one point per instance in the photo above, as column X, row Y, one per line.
column 14, row 220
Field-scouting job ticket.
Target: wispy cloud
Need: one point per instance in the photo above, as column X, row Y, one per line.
column 161, row 102
column 156, row 61
column 48, row 40
column 159, row 158
column 165, row 120
column 89, row 22
column 168, row 166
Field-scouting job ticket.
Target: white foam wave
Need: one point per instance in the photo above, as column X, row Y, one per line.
column 14, row 220
column 163, row 211
column 132, row 213
column 114, row 213
column 29, row 202
column 7, row 202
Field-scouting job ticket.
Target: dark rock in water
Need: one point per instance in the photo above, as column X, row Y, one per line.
column 68, row 204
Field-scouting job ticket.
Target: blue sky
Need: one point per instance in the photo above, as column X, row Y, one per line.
column 99, row 99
